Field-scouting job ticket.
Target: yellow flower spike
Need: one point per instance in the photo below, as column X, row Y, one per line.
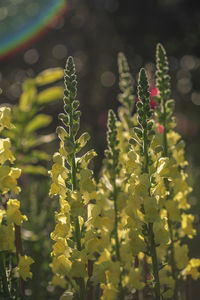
column 5, row 152
column 13, row 213
column 24, row 266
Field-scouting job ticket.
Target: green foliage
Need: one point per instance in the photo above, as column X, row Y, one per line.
column 28, row 121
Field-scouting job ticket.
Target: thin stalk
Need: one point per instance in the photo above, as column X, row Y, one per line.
column 154, row 262
column 19, row 250
column 172, row 260
column 4, row 277
column 150, row 227
column 116, row 221
column 117, row 237
column 77, row 225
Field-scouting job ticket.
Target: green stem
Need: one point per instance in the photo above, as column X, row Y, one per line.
column 166, row 154
column 4, row 277
column 121, row 297
column 116, row 222
column 150, row 227
column 172, row 260
column 154, row 262
column 74, row 187
column 165, row 129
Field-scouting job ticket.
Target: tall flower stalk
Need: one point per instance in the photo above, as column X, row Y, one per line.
column 143, row 133
column 11, row 220
column 73, row 182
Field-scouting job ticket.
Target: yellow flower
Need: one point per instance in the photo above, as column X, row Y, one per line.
column 61, row 265
column 136, row 242
column 2, row 213
column 161, row 233
column 59, row 281
column 167, row 280
column 24, row 266
column 135, row 279
column 181, row 255
column 173, row 210
column 7, row 238
column 9, row 182
column 78, row 269
column 13, row 213
column 109, row 292
column 5, row 152
column 186, row 226
column 5, row 118
column 193, row 268
column 151, row 209
column 113, row 273
column 60, row 247
column 86, row 182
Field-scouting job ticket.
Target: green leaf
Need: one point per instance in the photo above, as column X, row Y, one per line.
column 34, row 170
column 27, row 98
column 38, row 122
column 49, row 76
column 40, row 155
column 50, row 95
column 138, row 132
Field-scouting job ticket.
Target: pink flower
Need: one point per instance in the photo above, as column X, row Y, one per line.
column 152, row 102
column 160, row 128
column 153, row 92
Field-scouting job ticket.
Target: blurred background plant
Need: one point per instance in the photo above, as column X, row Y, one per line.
column 93, row 32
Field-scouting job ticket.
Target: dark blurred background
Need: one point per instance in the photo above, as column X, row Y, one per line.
column 93, row 32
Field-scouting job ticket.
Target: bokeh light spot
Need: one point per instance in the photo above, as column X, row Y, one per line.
column 31, row 56
column 196, row 98
column 184, row 85
column 3, row 13
column 107, row 79
column 15, row 90
column 59, row 51
column 188, row 62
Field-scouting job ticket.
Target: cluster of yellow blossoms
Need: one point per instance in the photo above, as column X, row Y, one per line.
column 123, row 237
column 10, row 215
